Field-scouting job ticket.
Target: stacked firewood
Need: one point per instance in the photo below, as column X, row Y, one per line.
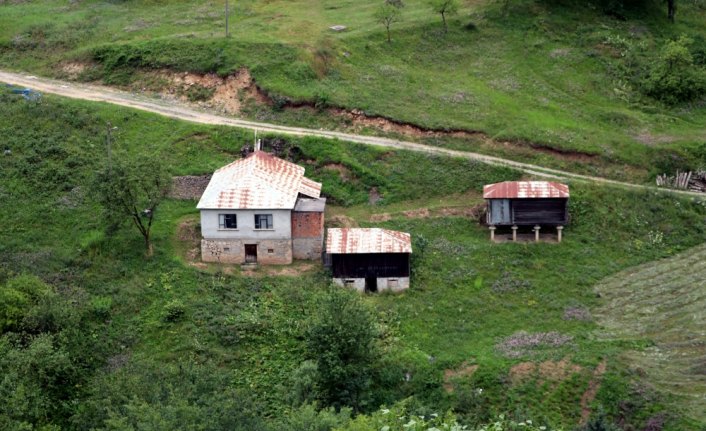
column 694, row 181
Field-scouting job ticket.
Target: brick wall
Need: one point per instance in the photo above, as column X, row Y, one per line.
column 307, row 235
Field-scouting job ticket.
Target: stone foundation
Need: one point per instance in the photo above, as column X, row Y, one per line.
column 269, row 251
column 394, row 284
column 307, row 248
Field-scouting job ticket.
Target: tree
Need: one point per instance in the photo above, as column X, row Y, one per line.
column 341, row 340
column 133, row 190
column 673, row 77
column 444, row 7
column 389, row 12
column 671, row 9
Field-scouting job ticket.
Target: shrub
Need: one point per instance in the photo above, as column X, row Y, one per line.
column 174, row 311
column 341, row 340
column 101, row 306
column 17, row 297
column 673, row 77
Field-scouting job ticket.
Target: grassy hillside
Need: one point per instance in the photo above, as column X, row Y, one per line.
column 662, row 304
column 163, row 343
column 558, row 75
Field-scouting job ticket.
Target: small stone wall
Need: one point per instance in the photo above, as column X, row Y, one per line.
column 307, row 248
column 277, row 252
column 392, row 284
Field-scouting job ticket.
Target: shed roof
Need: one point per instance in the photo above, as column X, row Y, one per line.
column 305, row 205
column 259, row 181
column 525, row 190
column 372, row 240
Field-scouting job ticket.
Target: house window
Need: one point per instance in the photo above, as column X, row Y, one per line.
column 227, row 221
column 263, row 221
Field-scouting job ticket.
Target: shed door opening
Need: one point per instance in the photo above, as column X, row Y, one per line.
column 371, row 284
column 250, row 253
column 500, row 211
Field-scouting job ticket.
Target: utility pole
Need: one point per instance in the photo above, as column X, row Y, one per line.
column 227, row 33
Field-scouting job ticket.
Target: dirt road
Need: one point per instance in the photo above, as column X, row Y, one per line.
column 179, row 111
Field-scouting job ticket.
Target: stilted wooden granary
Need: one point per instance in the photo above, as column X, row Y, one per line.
column 369, row 260
column 527, row 203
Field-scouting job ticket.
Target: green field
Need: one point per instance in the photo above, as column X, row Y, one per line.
column 662, row 304
column 109, row 351
column 556, row 75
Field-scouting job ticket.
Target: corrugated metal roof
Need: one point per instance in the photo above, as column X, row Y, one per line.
column 259, row 181
column 310, row 188
column 525, row 190
column 373, row 240
column 310, row 205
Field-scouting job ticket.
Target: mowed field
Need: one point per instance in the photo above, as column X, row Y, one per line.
column 663, row 304
column 541, row 75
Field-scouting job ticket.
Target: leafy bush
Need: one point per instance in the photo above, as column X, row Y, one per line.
column 341, row 340
column 174, row 311
column 101, row 306
column 673, row 77
column 17, row 297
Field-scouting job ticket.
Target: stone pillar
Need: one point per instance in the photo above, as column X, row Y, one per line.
column 514, row 233
column 536, row 232
column 558, row 233
column 492, row 232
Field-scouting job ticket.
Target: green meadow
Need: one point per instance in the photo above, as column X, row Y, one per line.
column 127, row 342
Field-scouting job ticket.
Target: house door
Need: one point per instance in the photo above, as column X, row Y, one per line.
column 371, row 284
column 250, row 253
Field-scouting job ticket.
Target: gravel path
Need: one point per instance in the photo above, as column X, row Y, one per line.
column 179, row 111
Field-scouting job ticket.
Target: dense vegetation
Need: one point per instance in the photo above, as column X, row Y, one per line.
column 97, row 335
column 613, row 82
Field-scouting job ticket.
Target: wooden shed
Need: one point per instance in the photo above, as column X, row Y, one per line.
column 527, row 203
column 369, row 260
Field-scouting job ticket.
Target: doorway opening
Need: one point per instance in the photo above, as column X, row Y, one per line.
column 250, row 253
column 371, row 284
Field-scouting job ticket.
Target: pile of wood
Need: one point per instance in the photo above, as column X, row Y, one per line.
column 694, row 181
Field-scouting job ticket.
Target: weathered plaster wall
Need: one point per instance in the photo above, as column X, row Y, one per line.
column 246, row 225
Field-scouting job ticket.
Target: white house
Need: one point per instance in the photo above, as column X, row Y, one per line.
column 261, row 209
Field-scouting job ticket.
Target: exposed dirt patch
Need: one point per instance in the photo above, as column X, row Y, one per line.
column 547, row 371
column 374, row 196
column 293, row 270
column 73, row 69
column 380, row 217
column 465, row 370
column 189, row 234
column 341, row 221
column 189, row 186
column 522, row 371
column 227, row 94
column 650, row 139
column 470, row 212
column 343, row 172
column 590, row 394
column 417, row 213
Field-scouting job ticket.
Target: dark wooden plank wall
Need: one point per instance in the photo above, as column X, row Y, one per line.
column 539, row 211
column 370, row 265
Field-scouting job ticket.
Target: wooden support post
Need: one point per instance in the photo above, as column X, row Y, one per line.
column 536, row 232
column 514, row 233
column 558, row 232
column 492, row 232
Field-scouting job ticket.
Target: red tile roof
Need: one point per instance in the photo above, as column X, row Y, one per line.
column 525, row 190
column 373, row 240
column 259, row 181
